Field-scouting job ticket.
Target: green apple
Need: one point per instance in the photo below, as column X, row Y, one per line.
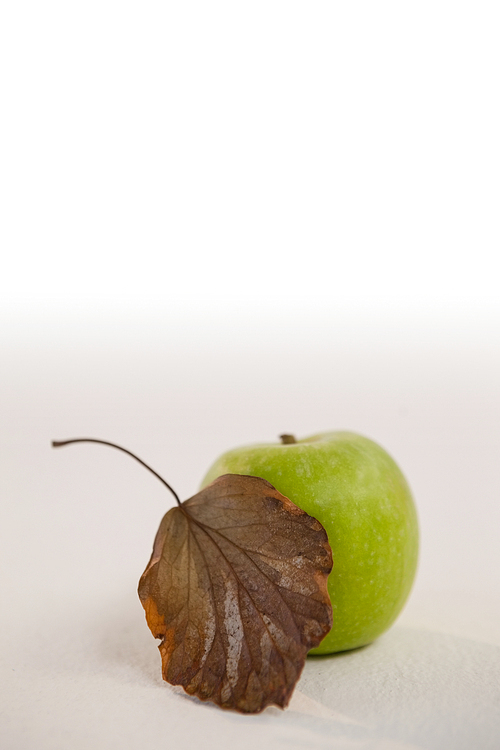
column 354, row 488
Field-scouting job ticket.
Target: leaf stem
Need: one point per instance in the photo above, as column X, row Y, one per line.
column 59, row 443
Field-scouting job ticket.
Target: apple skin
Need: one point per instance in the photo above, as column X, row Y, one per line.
column 355, row 489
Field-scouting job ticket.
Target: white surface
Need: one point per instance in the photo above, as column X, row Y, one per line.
column 79, row 666
column 222, row 221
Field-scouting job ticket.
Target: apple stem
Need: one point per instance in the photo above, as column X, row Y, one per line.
column 287, row 439
column 59, row 443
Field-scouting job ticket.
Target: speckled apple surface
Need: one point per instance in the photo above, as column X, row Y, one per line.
column 356, row 490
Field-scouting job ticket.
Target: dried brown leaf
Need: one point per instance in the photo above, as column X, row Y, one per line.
column 236, row 588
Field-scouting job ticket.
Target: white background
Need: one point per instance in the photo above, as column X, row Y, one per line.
column 221, row 221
